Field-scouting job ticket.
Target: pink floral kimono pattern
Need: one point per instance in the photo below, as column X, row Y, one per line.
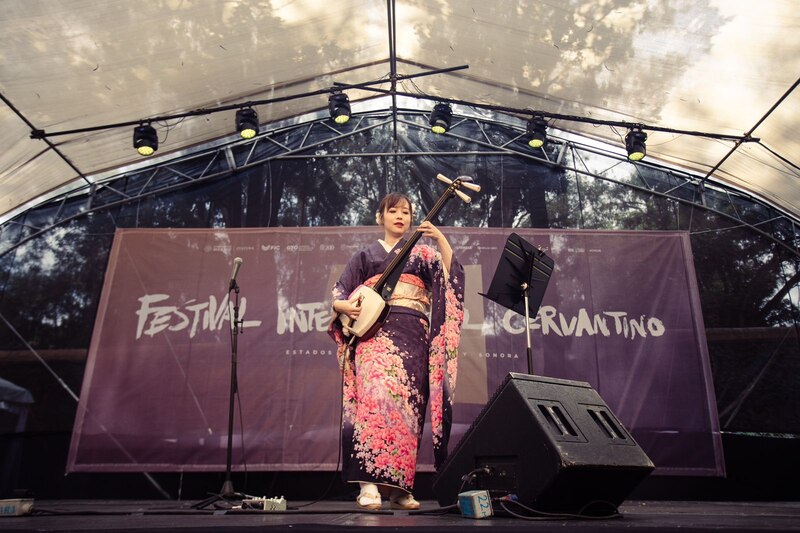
column 409, row 364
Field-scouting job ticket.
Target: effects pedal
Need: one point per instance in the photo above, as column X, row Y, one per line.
column 265, row 504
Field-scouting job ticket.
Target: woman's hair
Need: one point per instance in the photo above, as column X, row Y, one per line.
column 390, row 200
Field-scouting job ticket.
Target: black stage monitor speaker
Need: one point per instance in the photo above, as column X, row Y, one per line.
column 553, row 443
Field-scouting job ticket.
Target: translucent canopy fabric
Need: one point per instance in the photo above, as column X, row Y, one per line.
column 714, row 66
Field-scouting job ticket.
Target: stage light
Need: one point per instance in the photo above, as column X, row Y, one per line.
column 537, row 131
column 339, row 107
column 635, row 144
column 145, row 139
column 440, row 118
column 247, row 122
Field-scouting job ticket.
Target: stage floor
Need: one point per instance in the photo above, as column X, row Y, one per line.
column 163, row 516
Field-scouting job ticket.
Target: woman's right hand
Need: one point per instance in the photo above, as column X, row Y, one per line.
column 351, row 307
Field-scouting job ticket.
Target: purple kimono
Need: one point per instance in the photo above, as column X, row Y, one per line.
column 410, row 363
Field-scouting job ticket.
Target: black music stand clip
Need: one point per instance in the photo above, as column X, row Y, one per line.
column 520, row 281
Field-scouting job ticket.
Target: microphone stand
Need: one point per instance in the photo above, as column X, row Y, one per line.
column 227, row 492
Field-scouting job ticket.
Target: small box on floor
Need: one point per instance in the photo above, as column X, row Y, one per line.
column 475, row 504
column 16, row 507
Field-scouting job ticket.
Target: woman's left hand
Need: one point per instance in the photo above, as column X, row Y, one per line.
column 429, row 230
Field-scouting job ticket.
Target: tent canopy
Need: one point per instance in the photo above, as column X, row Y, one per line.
column 725, row 67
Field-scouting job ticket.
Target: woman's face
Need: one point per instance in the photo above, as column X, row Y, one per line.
column 397, row 219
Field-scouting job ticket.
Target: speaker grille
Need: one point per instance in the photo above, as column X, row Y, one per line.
column 557, row 420
column 607, row 425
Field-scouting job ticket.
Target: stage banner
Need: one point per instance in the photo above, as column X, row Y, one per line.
column 621, row 312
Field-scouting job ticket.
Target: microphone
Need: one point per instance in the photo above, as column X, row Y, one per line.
column 237, row 264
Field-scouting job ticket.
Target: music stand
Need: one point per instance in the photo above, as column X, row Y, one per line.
column 520, row 281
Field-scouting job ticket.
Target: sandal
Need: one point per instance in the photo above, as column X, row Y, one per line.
column 404, row 502
column 369, row 500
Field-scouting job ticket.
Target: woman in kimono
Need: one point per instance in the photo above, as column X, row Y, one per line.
column 409, row 364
